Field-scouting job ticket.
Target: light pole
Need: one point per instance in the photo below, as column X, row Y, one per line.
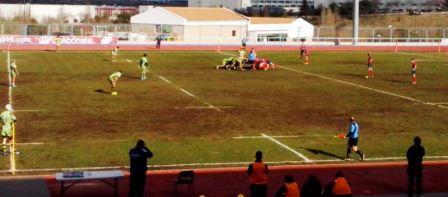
column 355, row 22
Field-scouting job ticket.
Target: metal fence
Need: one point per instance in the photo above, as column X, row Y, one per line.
column 141, row 33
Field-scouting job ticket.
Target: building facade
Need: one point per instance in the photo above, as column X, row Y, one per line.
column 231, row 4
column 290, row 5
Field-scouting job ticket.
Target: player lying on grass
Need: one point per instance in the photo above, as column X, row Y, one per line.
column 113, row 78
column 8, row 119
column 14, row 72
column 263, row 64
column 227, row 63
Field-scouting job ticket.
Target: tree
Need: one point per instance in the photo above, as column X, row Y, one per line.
column 305, row 9
column 123, row 18
column 368, row 7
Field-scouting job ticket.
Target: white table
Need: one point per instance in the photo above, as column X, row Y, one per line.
column 91, row 175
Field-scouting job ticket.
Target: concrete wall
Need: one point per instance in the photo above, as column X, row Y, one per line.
column 40, row 11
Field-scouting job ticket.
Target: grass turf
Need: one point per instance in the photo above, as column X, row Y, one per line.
column 81, row 126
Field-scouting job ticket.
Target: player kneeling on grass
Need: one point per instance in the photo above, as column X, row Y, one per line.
column 14, row 72
column 227, row 63
column 8, row 119
column 113, row 78
column 353, row 140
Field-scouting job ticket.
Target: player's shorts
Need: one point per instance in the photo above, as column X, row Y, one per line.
column 13, row 74
column 6, row 131
column 369, row 65
column 414, row 72
column 302, row 51
column 353, row 141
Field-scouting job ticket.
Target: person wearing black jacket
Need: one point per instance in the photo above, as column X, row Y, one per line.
column 415, row 167
column 312, row 187
column 139, row 156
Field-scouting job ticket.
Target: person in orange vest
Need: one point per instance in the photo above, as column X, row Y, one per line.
column 258, row 176
column 341, row 188
column 289, row 189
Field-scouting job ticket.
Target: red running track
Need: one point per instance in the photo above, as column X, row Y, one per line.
column 129, row 47
column 365, row 178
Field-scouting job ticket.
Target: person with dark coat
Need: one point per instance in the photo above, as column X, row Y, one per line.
column 415, row 167
column 312, row 187
column 139, row 156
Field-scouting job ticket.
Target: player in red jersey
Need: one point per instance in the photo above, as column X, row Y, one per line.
column 302, row 50
column 307, row 56
column 414, row 71
column 370, row 66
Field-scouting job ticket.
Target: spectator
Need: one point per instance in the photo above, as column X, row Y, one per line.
column 139, row 156
column 159, row 41
column 288, row 189
column 258, row 176
column 312, row 187
column 415, row 167
column 341, row 188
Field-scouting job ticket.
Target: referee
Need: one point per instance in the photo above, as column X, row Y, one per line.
column 353, row 140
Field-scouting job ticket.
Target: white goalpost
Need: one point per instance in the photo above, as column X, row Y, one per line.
column 12, row 147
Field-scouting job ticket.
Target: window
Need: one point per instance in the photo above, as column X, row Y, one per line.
column 233, row 33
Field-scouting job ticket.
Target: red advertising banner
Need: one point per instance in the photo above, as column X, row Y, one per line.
column 65, row 40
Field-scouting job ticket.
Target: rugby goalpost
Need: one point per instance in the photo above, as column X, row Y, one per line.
column 12, row 144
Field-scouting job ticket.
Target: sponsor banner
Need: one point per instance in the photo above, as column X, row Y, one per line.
column 64, row 40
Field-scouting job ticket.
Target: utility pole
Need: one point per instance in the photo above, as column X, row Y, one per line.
column 355, row 22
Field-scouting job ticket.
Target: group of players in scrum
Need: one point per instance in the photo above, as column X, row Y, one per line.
column 243, row 63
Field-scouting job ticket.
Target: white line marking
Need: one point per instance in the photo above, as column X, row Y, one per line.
column 423, row 55
column 27, row 110
column 363, row 87
column 29, row 143
column 217, row 164
column 205, row 107
column 256, row 137
column 287, row 147
column 190, row 94
column 164, row 79
column 186, row 92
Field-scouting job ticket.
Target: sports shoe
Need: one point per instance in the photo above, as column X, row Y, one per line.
column 363, row 156
column 348, row 159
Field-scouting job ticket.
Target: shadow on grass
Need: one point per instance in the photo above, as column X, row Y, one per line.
column 101, row 91
column 107, row 60
column 4, row 84
column 322, row 152
column 131, row 77
column 354, row 75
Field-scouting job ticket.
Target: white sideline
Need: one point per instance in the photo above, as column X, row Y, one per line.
column 210, row 106
column 29, row 143
column 287, row 148
column 365, row 87
column 423, row 55
column 217, row 164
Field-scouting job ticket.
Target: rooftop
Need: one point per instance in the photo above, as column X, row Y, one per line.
column 206, row 14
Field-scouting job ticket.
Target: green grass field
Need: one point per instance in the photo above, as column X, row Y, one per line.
column 58, row 104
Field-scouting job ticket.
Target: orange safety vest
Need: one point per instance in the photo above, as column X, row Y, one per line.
column 258, row 175
column 341, row 187
column 292, row 190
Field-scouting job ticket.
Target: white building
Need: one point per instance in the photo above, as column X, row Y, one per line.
column 231, row 4
column 264, row 29
column 191, row 24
